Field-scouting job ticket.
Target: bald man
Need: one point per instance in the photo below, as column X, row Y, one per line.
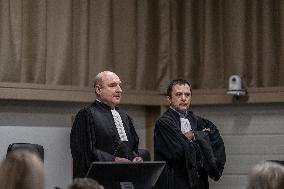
column 102, row 132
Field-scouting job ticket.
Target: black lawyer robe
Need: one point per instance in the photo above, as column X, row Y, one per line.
column 188, row 163
column 94, row 137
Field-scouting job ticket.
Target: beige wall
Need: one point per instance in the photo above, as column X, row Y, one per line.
column 49, row 124
column 251, row 133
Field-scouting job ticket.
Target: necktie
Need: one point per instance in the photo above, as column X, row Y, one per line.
column 119, row 125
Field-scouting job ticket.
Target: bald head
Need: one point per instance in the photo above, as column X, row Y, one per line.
column 108, row 90
column 100, row 77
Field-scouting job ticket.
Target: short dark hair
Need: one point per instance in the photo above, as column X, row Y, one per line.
column 177, row 82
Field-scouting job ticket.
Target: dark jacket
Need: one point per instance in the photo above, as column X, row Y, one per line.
column 189, row 163
column 94, row 137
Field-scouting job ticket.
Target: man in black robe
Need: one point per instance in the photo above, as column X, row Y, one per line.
column 102, row 132
column 191, row 146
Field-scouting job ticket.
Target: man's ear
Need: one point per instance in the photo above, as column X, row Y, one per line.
column 169, row 100
column 98, row 89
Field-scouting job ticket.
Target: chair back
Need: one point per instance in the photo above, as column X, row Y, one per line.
column 36, row 148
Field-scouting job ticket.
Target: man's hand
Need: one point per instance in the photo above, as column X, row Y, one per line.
column 189, row 135
column 119, row 159
column 206, row 131
column 137, row 160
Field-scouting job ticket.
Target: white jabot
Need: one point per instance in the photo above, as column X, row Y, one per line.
column 185, row 125
column 119, row 125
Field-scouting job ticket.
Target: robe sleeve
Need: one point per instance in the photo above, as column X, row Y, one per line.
column 169, row 141
column 82, row 144
column 134, row 137
column 172, row 146
column 217, row 145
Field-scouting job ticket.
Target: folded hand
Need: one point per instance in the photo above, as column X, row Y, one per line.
column 137, row 159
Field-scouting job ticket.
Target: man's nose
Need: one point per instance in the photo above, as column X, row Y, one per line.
column 118, row 88
column 183, row 97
